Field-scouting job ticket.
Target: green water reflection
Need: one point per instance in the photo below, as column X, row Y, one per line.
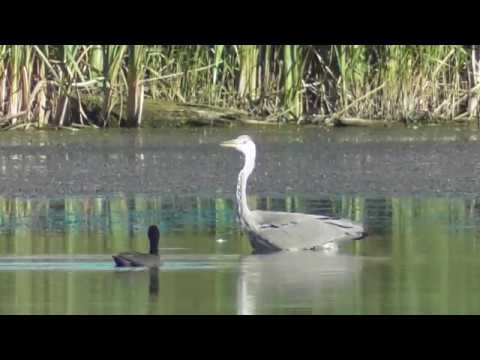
column 421, row 258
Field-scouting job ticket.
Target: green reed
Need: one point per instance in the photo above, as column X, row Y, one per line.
column 50, row 85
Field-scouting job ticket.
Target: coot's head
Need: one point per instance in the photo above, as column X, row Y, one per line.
column 153, row 236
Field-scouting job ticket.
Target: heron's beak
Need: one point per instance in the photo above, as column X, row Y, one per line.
column 229, row 143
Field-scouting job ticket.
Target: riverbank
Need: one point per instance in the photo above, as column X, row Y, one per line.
column 165, row 114
column 157, row 113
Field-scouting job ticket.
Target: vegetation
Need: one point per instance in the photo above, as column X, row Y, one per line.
column 54, row 85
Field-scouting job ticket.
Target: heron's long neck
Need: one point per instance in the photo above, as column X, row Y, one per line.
column 243, row 210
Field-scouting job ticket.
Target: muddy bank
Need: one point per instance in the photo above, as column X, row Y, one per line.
column 158, row 114
column 166, row 114
column 161, row 114
column 169, row 114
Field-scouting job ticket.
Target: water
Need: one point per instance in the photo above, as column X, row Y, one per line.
column 69, row 201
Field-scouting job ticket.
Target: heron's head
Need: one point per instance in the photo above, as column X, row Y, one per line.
column 243, row 144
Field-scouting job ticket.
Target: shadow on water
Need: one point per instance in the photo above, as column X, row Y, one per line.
column 154, row 284
column 132, row 278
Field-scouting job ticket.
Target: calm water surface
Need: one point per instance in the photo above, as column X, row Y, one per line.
column 70, row 200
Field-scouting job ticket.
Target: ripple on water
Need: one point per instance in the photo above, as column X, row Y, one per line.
column 104, row 263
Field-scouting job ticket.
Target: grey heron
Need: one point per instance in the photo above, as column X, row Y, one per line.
column 136, row 259
column 270, row 231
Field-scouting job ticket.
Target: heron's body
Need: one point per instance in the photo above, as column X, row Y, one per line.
column 136, row 259
column 297, row 231
column 270, row 231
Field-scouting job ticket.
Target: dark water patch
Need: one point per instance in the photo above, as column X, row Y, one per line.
column 431, row 161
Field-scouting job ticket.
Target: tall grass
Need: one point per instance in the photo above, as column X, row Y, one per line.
column 136, row 68
column 112, row 61
column 49, row 85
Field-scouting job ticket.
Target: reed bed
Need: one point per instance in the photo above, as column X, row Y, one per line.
column 51, row 85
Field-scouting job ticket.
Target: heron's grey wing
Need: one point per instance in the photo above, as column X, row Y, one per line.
column 304, row 231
